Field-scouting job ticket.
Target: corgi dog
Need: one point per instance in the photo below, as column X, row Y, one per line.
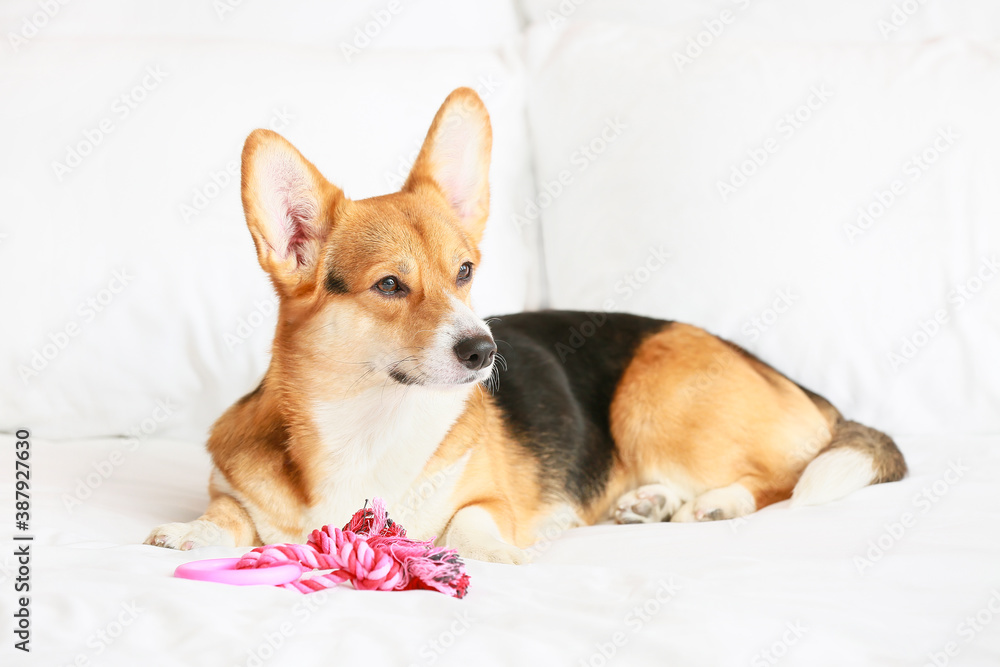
column 384, row 382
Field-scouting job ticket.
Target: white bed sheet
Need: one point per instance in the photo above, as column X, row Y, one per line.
column 784, row 581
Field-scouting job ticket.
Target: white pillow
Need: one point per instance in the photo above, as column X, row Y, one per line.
column 807, row 21
column 149, row 223
column 774, row 263
column 336, row 28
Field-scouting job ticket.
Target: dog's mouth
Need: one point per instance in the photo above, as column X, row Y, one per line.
column 415, row 379
column 403, row 378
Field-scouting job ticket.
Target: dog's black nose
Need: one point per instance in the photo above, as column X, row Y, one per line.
column 477, row 352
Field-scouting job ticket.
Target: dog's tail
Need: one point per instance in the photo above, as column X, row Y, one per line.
column 856, row 456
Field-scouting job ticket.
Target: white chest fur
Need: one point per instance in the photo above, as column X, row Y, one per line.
column 377, row 444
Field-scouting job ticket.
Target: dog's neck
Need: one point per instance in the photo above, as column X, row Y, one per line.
column 357, row 433
column 376, row 443
column 382, row 426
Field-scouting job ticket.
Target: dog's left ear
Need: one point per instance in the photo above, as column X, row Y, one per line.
column 455, row 159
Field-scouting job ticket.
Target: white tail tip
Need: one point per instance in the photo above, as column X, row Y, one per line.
column 833, row 475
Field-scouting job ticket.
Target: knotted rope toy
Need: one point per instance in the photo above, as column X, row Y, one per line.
column 371, row 552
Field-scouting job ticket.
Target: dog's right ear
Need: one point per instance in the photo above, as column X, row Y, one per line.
column 288, row 205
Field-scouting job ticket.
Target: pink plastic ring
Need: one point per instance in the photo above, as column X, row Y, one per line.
column 223, row 571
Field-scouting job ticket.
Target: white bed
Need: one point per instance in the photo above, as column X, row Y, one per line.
column 134, row 311
column 804, row 584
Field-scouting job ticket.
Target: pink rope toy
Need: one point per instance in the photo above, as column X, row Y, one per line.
column 371, row 552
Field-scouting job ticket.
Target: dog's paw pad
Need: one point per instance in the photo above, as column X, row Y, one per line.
column 647, row 504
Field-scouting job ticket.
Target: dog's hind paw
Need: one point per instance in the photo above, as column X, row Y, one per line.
column 647, row 504
column 729, row 502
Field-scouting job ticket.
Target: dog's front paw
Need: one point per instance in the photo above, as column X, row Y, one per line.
column 474, row 534
column 187, row 536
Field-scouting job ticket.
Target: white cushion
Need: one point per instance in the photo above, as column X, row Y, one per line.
column 873, row 21
column 856, row 301
column 334, row 27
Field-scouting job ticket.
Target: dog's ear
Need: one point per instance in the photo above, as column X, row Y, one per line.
column 288, row 205
column 455, row 159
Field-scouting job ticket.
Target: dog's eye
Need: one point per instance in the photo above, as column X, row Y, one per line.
column 388, row 285
column 465, row 271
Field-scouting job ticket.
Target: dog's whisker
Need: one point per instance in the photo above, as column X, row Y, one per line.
column 501, row 360
column 376, row 369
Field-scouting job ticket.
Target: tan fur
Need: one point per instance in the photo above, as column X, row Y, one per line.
column 692, row 407
column 498, row 478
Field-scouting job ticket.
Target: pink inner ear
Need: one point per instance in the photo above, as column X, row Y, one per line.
column 292, row 211
column 457, row 159
column 298, row 218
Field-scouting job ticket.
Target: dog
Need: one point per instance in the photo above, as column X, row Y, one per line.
column 383, row 382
